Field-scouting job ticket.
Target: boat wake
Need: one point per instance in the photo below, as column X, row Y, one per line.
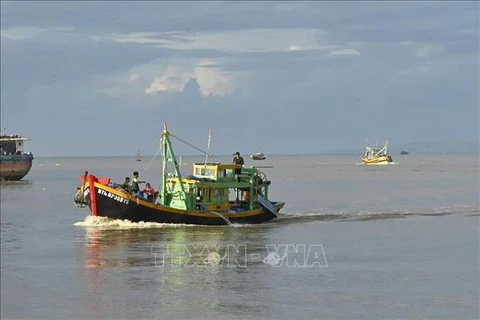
column 109, row 223
column 376, row 164
column 297, row 217
column 283, row 218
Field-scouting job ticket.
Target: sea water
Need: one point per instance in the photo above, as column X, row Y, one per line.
column 353, row 242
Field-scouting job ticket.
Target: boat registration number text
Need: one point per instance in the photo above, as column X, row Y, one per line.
column 112, row 196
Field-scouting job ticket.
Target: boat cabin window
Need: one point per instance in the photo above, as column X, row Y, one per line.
column 205, row 172
column 204, row 194
column 8, row 147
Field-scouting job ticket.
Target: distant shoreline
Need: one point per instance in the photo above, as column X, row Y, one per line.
column 355, row 154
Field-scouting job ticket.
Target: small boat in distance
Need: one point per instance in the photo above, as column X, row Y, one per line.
column 214, row 194
column 258, row 156
column 14, row 162
column 376, row 155
column 404, row 152
column 138, row 156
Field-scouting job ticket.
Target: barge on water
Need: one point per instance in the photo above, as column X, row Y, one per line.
column 14, row 162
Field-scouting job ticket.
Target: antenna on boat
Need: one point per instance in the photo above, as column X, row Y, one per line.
column 208, row 145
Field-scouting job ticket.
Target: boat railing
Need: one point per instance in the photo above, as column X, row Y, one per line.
column 243, row 177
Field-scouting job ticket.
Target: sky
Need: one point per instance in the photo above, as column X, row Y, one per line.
column 100, row 78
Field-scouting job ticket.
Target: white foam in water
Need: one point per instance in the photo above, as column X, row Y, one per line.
column 108, row 223
column 377, row 164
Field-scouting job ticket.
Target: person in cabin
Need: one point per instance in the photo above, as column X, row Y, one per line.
column 238, row 160
column 126, row 185
column 149, row 192
column 135, row 186
column 246, row 195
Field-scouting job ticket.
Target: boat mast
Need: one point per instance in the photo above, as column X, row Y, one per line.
column 169, row 155
column 208, row 146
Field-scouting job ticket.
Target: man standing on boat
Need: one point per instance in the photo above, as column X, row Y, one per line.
column 238, row 160
column 135, row 186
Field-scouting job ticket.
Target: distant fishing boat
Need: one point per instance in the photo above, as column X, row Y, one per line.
column 376, row 155
column 258, row 156
column 138, row 156
column 14, row 162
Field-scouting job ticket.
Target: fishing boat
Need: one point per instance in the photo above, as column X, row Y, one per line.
column 214, row 194
column 14, row 162
column 258, row 156
column 376, row 155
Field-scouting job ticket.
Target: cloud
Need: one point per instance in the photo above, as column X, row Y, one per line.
column 21, row 33
column 133, row 77
column 469, row 31
column 422, row 69
column 325, row 58
column 172, row 79
column 138, row 37
column 214, row 81
column 247, row 40
column 428, row 51
column 27, row 32
column 208, row 74
column 293, row 48
column 286, row 6
column 344, row 52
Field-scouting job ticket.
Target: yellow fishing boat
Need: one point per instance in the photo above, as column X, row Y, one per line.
column 376, row 155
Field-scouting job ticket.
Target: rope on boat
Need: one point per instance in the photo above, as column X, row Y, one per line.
column 151, row 161
column 209, row 155
column 194, row 147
